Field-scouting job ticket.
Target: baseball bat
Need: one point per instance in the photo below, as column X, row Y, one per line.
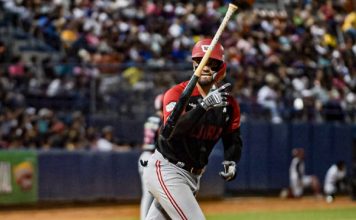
column 187, row 92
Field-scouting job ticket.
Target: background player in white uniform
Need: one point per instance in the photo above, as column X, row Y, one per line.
column 298, row 179
column 334, row 179
column 151, row 128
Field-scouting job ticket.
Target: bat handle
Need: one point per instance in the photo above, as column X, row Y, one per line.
column 177, row 111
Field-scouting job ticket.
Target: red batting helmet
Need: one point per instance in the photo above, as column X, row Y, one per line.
column 217, row 53
column 202, row 46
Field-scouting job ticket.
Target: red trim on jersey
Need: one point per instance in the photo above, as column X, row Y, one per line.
column 168, row 194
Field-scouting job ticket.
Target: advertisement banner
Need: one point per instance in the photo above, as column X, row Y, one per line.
column 18, row 177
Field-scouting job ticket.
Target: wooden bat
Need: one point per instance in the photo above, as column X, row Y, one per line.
column 187, row 92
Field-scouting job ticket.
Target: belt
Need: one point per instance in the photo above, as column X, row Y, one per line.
column 191, row 169
column 180, row 164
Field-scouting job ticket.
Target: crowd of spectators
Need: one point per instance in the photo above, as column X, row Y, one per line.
column 291, row 63
column 24, row 127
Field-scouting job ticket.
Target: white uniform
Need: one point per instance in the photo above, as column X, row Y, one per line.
column 146, row 197
column 333, row 175
column 151, row 127
column 298, row 179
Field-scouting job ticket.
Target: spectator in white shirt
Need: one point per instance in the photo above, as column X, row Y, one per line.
column 267, row 97
column 106, row 142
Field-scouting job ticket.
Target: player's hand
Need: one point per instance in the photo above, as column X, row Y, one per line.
column 216, row 98
column 229, row 172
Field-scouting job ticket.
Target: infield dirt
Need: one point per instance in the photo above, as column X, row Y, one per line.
column 229, row 205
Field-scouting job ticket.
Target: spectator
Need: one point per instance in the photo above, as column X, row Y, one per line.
column 106, row 142
column 91, row 137
column 268, row 97
column 317, row 50
column 3, row 52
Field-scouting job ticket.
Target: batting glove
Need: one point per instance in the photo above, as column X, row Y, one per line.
column 216, row 98
column 229, row 172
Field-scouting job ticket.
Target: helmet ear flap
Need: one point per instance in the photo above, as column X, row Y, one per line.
column 220, row 75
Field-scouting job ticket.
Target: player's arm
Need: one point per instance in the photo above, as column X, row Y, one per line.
column 187, row 120
column 232, row 145
column 232, row 142
column 231, row 137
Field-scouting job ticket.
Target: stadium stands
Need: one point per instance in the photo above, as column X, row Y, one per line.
column 112, row 57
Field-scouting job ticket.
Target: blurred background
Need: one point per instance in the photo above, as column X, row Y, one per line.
column 74, row 72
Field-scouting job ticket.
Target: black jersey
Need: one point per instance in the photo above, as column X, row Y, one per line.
column 197, row 130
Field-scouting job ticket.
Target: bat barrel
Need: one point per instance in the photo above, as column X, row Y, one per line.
column 232, row 8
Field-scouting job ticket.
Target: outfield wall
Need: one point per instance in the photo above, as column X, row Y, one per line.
column 267, row 152
column 91, row 176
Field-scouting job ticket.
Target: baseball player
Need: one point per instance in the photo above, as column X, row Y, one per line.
column 334, row 180
column 151, row 128
column 174, row 170
column 298, row 179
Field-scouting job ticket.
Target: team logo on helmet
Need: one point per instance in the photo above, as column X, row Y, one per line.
column 204, row 48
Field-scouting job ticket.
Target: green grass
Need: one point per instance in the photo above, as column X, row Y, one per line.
column 317, row 214
column 325, row 214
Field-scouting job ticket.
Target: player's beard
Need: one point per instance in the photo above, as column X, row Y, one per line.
column 205, row 80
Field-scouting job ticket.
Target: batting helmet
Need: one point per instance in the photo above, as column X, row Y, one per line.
column 202, row 46
column 217, row 53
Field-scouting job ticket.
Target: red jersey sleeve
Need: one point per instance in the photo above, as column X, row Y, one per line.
column 170, row 100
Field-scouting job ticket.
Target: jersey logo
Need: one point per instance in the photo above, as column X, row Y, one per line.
column 170, row 106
